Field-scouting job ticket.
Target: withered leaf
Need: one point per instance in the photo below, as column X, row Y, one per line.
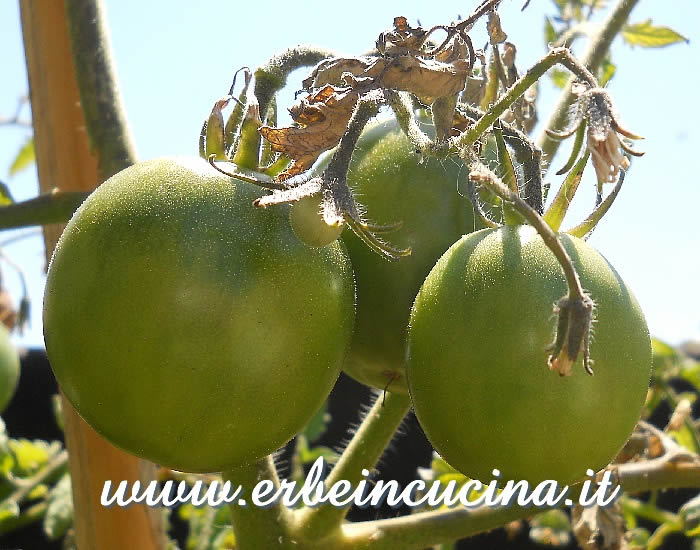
column 402, row 40
column 426, row 78
column 322, row 119
column 330, row 71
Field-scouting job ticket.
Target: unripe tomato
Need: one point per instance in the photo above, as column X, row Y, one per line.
column 308, row 224
column 393, row 186
column 9, row 368
column 477, row 360
column 189, row 327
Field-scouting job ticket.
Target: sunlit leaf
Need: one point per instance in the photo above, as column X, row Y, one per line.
column 550, row 33
column 647, row 35
column 6, row 459
column 317, row 425
column 685, row 438
column 59, row 512
column 606, row 71
column 31, row 455
column 8, row 509
column 690, row 516
column 25, row 157
column 5, row 195
column 559, row 77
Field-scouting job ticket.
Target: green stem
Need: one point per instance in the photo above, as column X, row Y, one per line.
column 648, row 511
column 443, row 526
column 56, row 463
column 56, row 207
column 484, row 176
column 426, row 529
column 272, row 76
column 256, row 527
column 592, row 59
column 557, row 55
column 99, row 93
column 363, row 452
column 662, row 531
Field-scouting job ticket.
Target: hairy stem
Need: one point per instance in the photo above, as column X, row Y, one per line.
column 557, row 55
column 56, row 207
column 99, row 93
column 425, row 529
column 272, row 76
column 484, row 176
column 363, row 451
column 257, row 527
column 592, row 59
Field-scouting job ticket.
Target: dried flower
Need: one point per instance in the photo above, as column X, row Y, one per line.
column 595, row 107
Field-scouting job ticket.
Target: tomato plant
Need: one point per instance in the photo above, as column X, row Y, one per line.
column 178, row 317
column 9, row 368
column 477, row 360
column 425, row 198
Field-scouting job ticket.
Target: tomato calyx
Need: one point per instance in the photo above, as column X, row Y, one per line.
column 573, row 334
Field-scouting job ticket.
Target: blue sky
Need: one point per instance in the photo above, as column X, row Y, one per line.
column 175, row 58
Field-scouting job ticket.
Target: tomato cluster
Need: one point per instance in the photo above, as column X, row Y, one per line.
column 193, row 329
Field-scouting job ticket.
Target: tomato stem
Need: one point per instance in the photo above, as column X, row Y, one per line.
column 560, row 56
column 258, row 527
column 363, row 452
column 55, row 207
column 272, row 76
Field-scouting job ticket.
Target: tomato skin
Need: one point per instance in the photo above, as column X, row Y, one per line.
column 477, row 360
column 393, row 186
column 308, row 224
column 9, row 368
column 189, row 327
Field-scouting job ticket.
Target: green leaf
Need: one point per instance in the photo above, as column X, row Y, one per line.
column 606, row 72
column 25, row 157
column 690, row 516
column 40, row 491
column 685, row 438
column 8, row 509
column 5, row 195
column 550, row 33
column 59, row 511
column 647, row 35
column 551, row 528
column 559, row 77
column 7, row 461
column 317, row 425
column 30, row 456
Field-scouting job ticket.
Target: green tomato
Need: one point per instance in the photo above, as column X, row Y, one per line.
column 393, row 186
column 308, row 224
column 477, row 360
column 189, row 327
column 9, row 368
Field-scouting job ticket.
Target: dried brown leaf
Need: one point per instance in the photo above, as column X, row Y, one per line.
column 426, row 78
column 322, row 119
column 402, row 40
column 330, row 71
